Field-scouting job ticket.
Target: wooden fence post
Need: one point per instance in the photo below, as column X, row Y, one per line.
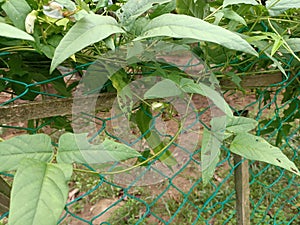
column 242, row 190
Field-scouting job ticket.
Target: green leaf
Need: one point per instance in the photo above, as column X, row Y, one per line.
column 137, row 26
column 17, row 11
column 277, row 43
column 210, row 154
column 240, row 124
column 182, row 26
column 294, row 45
column 48, row 50
column 235, row 79
column 276, row 7
column 39, row 193
column 110, row 43
column 101, row 4
column 58, row 84
column 189, row 86
column 277, row 63
column 120, row 81
column 37, row 146
column 163, row 89
column 76, row 148
column 134, row 8
column 235, row 2
column 162, row 9
column 88, row 30
column 13, row 32
column 143, row 119
column 257, row 38
column 257, row 148
column 232, row 15
column 134, row 50
column 218, row 127
column 196, row 8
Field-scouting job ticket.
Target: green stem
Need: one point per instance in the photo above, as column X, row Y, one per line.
column 136, row 165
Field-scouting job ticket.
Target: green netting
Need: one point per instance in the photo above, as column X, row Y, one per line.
column 182, row 198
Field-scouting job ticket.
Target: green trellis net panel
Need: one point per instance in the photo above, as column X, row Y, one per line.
column 154, row 194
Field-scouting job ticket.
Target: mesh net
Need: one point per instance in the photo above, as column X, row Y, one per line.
column 180, row 197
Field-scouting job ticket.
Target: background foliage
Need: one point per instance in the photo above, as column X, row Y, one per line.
column 234, row 38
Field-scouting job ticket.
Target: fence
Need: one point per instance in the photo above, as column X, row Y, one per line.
column 178, row 197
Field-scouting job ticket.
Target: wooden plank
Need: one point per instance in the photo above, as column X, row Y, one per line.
column 242, row 190
column 55, row 107
column 61, row 107
column 253, row 81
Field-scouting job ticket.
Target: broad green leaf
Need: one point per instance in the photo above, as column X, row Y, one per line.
column 90, row 29
column 229, row 14
column 137, row 26
column 162, row 9
column 132, row 9
column 240, row 124
column 277, row 63
column 143, row 119
column 48, row 50
column 189, row 86
column 276, row 7
column 182, row 26
column 218, row 17
column 163, row 89
column 76, row 148
column 235, row 2
column 110, row 43
column 39, row 193
column 13, row 32
column 293, row 43
column 210, row 153
column 257, row 148
column 218, row 127
column 17, row 11
column 257, row 38
column 101, row 4
column 232, row 15
column 134, row 50
column 120, row 82
column 196, row 8
column 37, row 146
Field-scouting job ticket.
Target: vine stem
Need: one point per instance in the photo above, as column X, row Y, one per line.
column 137, row 165
column 285, row 44
column 148, row 159
column 213, row 13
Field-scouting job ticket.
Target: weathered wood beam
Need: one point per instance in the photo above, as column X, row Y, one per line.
column 253, row 81
column 61, row 107
column 242, row 190
column 55, row 107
